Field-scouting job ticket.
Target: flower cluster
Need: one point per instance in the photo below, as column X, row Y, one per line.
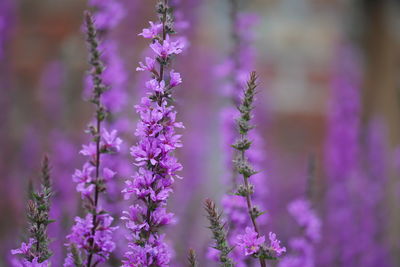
column 342, row 152
column 157, row 167
column 100, row 242
column 306, row 218
column 303, row 246
column 30, row 260
column 90, row 239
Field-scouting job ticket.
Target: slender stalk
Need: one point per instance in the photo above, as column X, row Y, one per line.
column 98, row 90
column 243, row 167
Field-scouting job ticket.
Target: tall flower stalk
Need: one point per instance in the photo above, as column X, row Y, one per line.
column 235, row 71
column 342, row 164
column 152, row 183
column 36, row 252
column 90, row 241
column 252, row 242
column 303, row 246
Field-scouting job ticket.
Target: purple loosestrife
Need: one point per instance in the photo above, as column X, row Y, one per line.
column 157, row 166
column 303, row 247
column 90, row 241
column 235, row 70
column 251, row 242
column 36, row 251
column 342, row 162
column 368, row 194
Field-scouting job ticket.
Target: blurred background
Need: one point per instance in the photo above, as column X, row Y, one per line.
column 303, row 50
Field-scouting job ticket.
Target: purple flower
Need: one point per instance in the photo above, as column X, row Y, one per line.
column 175, row 78
column 110, row 142
column 302, row 248
column 89, row 150
column 167, row 48
column 109, row 14
column 306, row 218
column 82, row 236
column 250, row 242
column 153, row 154
column 150, row 64
column 92, row 235
column 303, row 254
column 108, row 174
column 24, row 249
column 156, row 86
column 154, row 253
column 84, row 175
column 275, row 245
column 34, row 263
column 153, row 31
column 146, row 152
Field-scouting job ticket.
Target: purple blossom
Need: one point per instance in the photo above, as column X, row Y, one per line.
column 250, row 242
column 110, row 142
column 83, row 237
column 303, row 254
column 24, row 249
column 156, row 86
column 275, row 245
column 89, row 150
column 109, row 14
column 175, row 78
column 92, row 235
column 306, row 218
column 34, row 263
column 153, row 31
column 167, row 48
column 149, row 66
column 153, row 155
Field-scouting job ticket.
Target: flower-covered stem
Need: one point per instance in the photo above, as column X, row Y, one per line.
column 93, row 234
column 157, row 167
column 302, row 210
column 342, row 165
column 98, row 90
column 303, row 247
column 253, row 241
column 36, row 252
column 219, row 234
column 192, row 260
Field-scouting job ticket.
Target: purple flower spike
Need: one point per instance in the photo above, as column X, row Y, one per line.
column 90, row 241
column 153, row 154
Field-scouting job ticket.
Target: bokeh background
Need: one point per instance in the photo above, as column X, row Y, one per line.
column 302, row 47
